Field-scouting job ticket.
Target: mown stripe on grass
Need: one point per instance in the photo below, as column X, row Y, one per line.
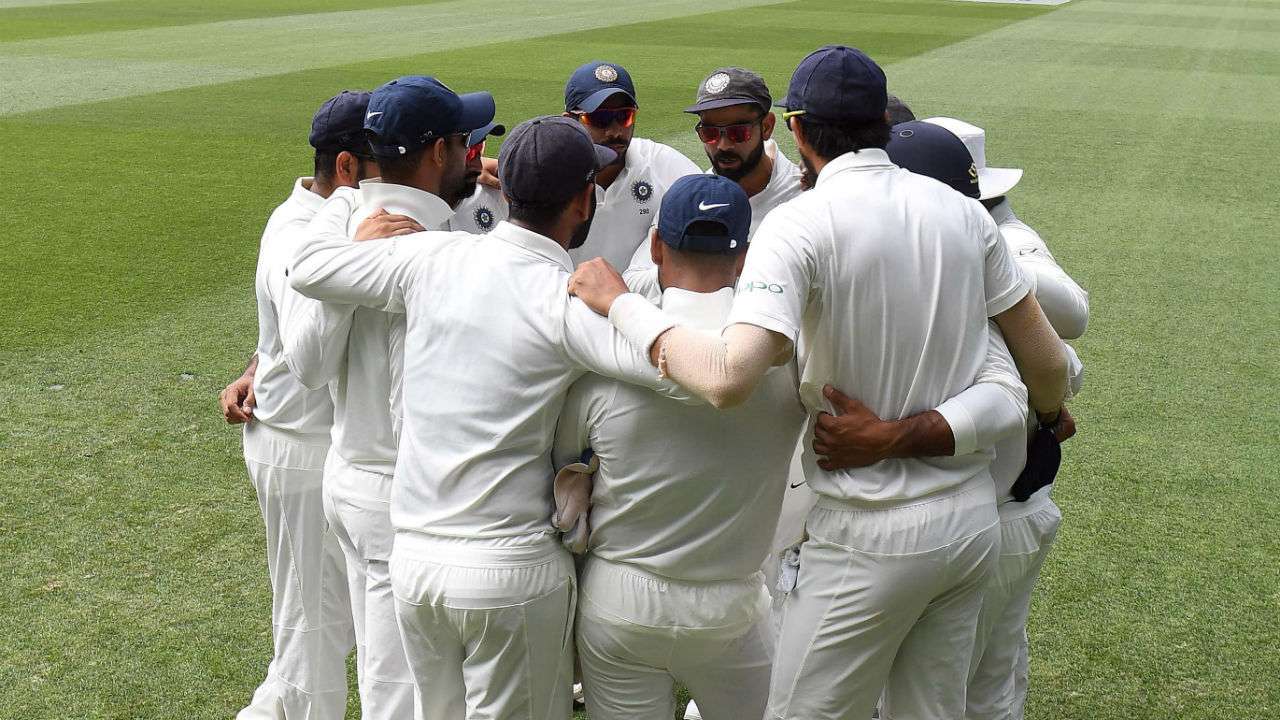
column 47, row 73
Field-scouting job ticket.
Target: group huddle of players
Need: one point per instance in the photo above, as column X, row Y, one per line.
column 587, row 421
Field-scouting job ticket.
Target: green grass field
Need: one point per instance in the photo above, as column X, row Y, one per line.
column 147, row 140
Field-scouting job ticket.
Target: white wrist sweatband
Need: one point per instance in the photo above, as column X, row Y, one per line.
column 639, row 321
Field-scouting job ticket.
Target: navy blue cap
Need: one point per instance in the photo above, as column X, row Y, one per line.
column 339, row 123
column 934, row 151
column 837, row 84
column 408, row 112
column 548, row 159
column 705, row 198
column 479, row 134
column 593, row 83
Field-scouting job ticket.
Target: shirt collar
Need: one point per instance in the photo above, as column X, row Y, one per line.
column 533, row 242
column 701, row 311
column 304, row 196
column 1002, row 213
column 430, row 211
column 864, row 159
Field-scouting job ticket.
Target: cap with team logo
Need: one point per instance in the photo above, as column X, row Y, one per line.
column 548, row 159
column 705, row 198
column 836, row 84
column 731, row 86
column 933, row 151
column 593, row 83
column 411, row 111
column 993, row 182
column 339, row 123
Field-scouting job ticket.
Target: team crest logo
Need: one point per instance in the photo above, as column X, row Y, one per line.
column 606, row 73
column 484, row 218
column 973, row 174
column 642, row 191
column 717, row 83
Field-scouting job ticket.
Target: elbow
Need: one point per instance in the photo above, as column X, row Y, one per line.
column 1070, row 326
column 727, row 396
column 1048, row 388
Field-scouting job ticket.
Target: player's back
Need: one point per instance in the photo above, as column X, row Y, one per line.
column 688, row 492
column 485, row 378
column 897, row 306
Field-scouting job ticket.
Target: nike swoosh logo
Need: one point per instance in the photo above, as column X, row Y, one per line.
column 371, row 115
column 705, row 207
column 796, row 485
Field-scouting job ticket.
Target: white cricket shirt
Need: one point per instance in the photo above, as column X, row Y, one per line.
column 784, row 183
column 626, row 209
column 363, row 346
column 481, row 212
column 283, row 403
column 688, row 492
column 494, row 342
column 884, row 279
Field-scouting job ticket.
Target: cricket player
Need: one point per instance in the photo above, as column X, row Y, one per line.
column 885, row 279
column 286, row 438
column 422, row 135
column 998, row 675
column 685, row 497
column 735, row 123
column 484, row 591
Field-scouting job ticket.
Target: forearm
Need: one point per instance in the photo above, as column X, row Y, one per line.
column 925, row 435
column 251, row 368
column 1038, row 352
column 722, row 370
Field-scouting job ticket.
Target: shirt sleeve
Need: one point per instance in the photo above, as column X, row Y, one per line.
column 578, row 420
column 1064, row 302
column 593, row 344
column 314, row 338
column 328, row 266
column 994, row 407
column 1003, row 282
column 395, row 362
column 779, row 274
column 670, row 165
column 641, row 275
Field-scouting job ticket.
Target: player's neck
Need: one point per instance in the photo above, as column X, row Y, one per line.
column 608, row 174
column 758, row 179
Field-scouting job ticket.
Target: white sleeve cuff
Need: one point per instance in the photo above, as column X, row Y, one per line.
column 963, row 427
column 639, row 320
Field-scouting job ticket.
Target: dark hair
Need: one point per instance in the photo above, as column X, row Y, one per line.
column 831, row 140
column 538, row 215
column 326, row 159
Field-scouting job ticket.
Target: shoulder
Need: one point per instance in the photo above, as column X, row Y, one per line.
column 664, row 162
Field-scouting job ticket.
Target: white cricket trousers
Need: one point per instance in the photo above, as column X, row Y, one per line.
column 357, row 504
column 887, row 599
column 310, row 611
column 998, row 675
column 640, row 633
column 487, row 625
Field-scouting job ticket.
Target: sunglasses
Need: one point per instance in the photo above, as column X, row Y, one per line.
column 711, row 134
column 473, row 151
column 626, row 117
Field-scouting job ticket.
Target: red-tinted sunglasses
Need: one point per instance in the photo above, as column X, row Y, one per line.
column 710, row 134
column 626, row 117
column 473, row 151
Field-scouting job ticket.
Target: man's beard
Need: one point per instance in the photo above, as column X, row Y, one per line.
column 580, row 233
column 808, row 176
column 744, row 168
column 455, row 189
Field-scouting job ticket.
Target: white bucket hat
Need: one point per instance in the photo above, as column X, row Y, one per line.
column 992, row 182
